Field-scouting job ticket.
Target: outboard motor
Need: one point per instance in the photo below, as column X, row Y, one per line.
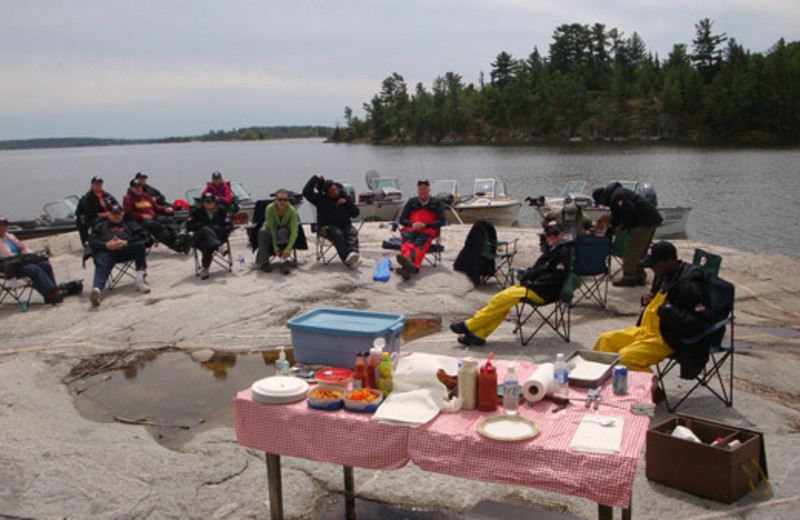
column 448, row 199
column 647, row 191
column 536, row 202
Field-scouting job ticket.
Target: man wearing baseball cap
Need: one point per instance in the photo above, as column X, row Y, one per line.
column 94, row 205
column 422, row 217
column 675, row 308
column 541, row 283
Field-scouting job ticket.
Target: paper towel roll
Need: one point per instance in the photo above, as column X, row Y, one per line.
column 539, row 384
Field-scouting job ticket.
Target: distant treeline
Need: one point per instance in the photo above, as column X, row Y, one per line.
column 253, row 133
column 595, row 84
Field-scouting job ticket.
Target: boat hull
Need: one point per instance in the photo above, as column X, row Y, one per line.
column 499, row 213
column 674, row 226
column 383, row 211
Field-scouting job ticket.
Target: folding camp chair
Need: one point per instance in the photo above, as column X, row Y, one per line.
column 223, row 259
column 257, row 223
column 325, row 250
column 721, row 298
column 708, row 262
column 592, row 264
column 18, row 288
column 119, row 271
column 558, row 317
column 618, row 251
column 434, row 254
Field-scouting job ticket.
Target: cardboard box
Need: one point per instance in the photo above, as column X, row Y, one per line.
column 335, row 336
column 714, row 472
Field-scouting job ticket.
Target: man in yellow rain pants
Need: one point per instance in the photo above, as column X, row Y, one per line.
column 675, row 308
column 540, row 283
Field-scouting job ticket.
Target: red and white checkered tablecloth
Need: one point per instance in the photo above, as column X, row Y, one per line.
column 450, row 444
column 338, row 437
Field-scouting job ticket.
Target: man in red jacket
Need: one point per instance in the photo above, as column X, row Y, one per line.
column 156, row 219
column 421, row 218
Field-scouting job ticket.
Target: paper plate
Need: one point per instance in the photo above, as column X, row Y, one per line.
column 279, row 390
column 507, row 427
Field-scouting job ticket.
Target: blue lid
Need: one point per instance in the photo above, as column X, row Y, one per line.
column 347, row 321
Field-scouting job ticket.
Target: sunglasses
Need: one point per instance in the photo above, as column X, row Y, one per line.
column 282, row 200
column 551, row 233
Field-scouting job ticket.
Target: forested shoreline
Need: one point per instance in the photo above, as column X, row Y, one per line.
column 597, row 85
column 252, row 133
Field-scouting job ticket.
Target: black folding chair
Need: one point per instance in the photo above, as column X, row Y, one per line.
column 557, row 315
column 592, row 264
column 721, row 298
column 223, row 259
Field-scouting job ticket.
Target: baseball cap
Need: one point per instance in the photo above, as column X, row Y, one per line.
column 553, row 225
column 140, row 175
column 426, row 182
column 115, row 209
column 135, row 183
column 216, row 175
column 3, row 220
column 208, row 196
column 97, row 178
column 659, row 251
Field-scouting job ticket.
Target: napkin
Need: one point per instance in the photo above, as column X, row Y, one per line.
column 595, row 438
column 412, row 408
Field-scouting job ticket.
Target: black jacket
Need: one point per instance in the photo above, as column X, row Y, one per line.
column 434, row 206
column 218, row 221
column 470, row 259
column 105, row 230
column 684, row 313
column 630, row 210
column 153, row 192
column 90, row 205
column 546, row 277
column 328, row 212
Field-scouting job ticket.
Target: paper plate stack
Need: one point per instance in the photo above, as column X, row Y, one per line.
column 279, row 390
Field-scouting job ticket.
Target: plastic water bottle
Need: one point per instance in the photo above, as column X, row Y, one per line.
column 511, row 391
column 282, row 365
column 560, row 377
column 241, row 263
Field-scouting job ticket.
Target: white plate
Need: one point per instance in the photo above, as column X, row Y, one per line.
column 507, row 427
column 279, row 390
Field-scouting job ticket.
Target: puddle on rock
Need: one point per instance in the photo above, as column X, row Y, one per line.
column 166, row 390
column 416, row 328
column 339, row 507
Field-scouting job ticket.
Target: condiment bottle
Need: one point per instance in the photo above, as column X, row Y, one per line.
column 468, row 383
column 282, row 365
column 487, row 386
column 385, row 375
column 360, row 379
column 373, row 361
column 511, row 391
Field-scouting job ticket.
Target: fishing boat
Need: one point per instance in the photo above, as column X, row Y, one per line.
column 383, row 201
column 488, row 200
column 675, row 217
column 57, row 217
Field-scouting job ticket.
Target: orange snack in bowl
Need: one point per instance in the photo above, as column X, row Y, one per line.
column 324, row 393
column 362, row 394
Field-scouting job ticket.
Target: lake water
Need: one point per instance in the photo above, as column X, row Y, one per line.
column 742, row 198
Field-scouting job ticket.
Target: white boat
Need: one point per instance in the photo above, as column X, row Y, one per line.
column 675, row 217
column 488, row 200
column 384, row 201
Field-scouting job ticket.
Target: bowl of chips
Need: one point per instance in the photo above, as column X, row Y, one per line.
column 364, row 400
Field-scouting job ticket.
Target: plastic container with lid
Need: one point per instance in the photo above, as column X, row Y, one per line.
column 334, row 378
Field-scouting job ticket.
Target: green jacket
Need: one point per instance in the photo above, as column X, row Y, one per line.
column 273, row 221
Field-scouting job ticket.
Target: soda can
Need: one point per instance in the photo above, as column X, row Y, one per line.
column 620, row 380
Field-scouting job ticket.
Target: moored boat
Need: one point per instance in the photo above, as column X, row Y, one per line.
column 57, row 217
column 384, row 201
column 675, row 217
column 488, row 200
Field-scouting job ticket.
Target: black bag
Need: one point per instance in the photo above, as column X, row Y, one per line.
column 71, row 288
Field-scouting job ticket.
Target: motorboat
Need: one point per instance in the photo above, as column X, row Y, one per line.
column 675, row 217
column 57, row 217
column 488, row 200
column 383, row 201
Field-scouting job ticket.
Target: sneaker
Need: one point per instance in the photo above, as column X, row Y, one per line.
column 95, row 297
column 266, row 267
column 284, row 267
column 204, row 273
column 404, row 273
column 459, row 327
column 142, row 286
column 351, row 259
column 54, row 297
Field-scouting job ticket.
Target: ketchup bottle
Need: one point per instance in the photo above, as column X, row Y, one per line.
column 360, row 379
column 487, row 386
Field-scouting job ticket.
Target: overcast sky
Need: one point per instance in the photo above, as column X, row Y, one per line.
column 158, row 68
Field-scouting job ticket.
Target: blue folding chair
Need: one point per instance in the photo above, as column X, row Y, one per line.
column 592, row 264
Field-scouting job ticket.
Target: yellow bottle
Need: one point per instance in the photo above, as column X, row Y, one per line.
column 385, row 375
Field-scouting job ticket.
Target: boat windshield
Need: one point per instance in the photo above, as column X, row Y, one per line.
column 384, row 183
column 573, row 187
column 447, row 187
column 239, row 192
column 62, row 209
column 484, row 187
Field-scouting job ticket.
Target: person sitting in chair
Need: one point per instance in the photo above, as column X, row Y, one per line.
column 540, row 283
column 220, row 189
column 675, row 308
column 156, row 219
column 93, row 206
column 161, row 200
column 278, row 234
column 211, row 227
column 335, row 211
column 422, row 217
column 17, row 260
column 115, row 240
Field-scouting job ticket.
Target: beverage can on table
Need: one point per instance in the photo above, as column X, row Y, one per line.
column 620, row 380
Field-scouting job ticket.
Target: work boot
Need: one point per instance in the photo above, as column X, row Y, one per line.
column 266, row 267
column 406, row 263
column 404, row 273
column 459, row 327
column 471, row 340
column 285, row 267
